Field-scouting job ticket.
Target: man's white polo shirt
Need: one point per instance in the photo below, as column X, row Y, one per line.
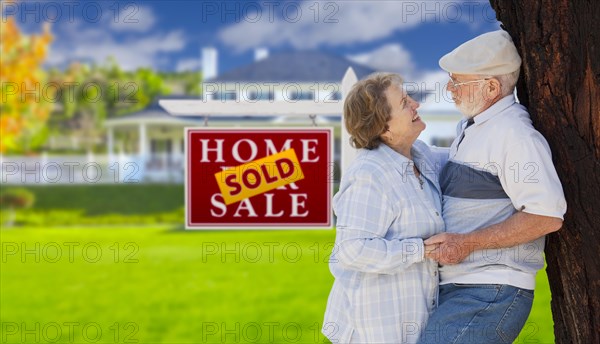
column 503, row 165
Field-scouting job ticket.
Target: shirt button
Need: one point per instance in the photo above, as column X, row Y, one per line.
column 437, row 214
column 435, row 273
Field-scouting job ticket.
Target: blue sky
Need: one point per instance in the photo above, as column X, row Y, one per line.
column 403, row 36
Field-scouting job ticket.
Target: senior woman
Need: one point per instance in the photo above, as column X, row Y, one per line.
column 388, row 202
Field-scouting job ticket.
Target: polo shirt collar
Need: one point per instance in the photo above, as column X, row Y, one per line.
column 495, row 109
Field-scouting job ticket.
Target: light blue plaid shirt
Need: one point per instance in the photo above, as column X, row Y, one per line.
column 384, row 289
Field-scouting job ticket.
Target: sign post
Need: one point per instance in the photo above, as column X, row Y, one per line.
column 259, row 178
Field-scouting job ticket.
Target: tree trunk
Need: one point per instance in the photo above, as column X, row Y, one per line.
column 559, row 42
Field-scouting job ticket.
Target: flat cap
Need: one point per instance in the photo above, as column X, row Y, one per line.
column 492, row 53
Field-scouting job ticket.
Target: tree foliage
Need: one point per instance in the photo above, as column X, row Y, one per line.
column 89, row 94
column 23, row 109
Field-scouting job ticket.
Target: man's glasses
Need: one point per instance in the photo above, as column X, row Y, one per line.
column 456, row 84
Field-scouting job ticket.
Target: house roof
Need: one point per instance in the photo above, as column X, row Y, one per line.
column 153, row 113
column 299, row 66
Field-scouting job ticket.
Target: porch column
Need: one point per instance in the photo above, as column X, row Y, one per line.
column 110, row 141
column 175, row 149
column 142, row 150
column 142, row 147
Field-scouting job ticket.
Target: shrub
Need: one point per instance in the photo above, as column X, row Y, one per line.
column 17, row 198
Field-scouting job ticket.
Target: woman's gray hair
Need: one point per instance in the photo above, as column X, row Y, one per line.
column 367, row 109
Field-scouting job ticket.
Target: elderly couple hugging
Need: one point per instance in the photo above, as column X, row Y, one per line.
column 442, row 245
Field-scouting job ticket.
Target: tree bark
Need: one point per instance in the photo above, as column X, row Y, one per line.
column 559, row 42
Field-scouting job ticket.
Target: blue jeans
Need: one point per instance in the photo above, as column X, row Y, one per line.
column 478, row 313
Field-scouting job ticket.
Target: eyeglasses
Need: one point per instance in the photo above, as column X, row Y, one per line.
column 456, row 84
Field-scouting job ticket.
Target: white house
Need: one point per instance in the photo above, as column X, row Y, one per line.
column 148, row 145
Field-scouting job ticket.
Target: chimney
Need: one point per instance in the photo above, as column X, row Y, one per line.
column 210, row 65
column 260, row 54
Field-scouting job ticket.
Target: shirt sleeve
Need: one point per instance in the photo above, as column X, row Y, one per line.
column 530, row 179
column 364, row 215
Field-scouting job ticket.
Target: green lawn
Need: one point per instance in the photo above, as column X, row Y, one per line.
column 165, row 285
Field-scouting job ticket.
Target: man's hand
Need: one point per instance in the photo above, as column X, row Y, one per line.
column 449, row 248
column 430, row 250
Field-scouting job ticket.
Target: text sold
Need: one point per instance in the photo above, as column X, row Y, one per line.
column 259, row 176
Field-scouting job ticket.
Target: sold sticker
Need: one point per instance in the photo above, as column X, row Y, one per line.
column 259, row 176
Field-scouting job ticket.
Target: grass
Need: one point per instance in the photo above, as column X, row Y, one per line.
column 540, row 325
column 165, row 285
column 159, row 284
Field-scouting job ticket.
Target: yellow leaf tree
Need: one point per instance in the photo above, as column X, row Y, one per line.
column 24, row 108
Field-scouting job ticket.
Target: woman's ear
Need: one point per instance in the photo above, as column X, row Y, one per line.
column 387, row 136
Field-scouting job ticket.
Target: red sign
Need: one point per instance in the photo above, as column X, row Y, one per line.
column 258, row 178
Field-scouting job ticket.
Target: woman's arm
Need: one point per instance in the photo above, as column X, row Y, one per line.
column 378, row 255
column 365, row 215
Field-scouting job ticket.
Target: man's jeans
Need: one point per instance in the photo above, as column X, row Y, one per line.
column 478, row 313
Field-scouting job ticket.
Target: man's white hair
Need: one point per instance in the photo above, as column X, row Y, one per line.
column 508, row 82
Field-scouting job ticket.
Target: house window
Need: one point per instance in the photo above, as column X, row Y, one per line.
column 262, row 95
column 306, row 95
column 252, row 95
column 230, row 96
column 267, row 96
column 293, row 95
column 225, row 96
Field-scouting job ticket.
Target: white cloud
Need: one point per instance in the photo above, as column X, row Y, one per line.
column 76, row 41
column 336, row 23
column 343, row 22
column 133, row 17
column 191, row 64
column 433, row 80
column 389, row 58
column 394, row 58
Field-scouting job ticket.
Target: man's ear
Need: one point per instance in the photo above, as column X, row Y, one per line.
column 493, row 89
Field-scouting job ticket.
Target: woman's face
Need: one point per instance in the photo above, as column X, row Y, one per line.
column 405, row 125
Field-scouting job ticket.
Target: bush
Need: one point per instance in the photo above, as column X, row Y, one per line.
column 17, row 198
column 99, row 204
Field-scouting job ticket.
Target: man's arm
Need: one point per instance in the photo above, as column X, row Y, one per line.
column 541, row 195
column 452, row 248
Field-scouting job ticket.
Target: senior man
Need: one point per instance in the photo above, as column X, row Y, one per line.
column 501, row 195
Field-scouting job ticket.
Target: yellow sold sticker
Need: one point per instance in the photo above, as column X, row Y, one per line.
column 259, row 176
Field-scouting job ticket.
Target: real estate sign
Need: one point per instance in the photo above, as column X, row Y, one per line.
column 258, row 178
